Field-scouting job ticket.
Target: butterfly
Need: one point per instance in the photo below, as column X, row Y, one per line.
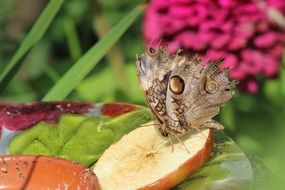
column 182, row 92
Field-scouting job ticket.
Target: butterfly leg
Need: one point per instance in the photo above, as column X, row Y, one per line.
column 163, row 130
column 199, row 131
column 172, row 146
column 178, row 139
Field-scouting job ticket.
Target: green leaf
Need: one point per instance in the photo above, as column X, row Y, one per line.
column 227, row 168
column 36, row 33
column 86, row 63
column 79, row 138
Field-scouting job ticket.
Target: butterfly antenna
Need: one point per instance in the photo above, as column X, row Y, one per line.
column 167, row 45
column 177, row 55
column 150, row 44
column 158, row 43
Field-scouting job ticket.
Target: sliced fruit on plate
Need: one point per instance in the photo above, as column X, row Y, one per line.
column 143, row 159
column 74, row 137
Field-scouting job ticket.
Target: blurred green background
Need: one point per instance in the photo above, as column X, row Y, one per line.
column 256, row 122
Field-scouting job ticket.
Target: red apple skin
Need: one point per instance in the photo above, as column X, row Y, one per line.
column 186, row 169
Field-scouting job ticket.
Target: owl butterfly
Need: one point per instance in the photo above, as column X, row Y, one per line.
column 183, row 93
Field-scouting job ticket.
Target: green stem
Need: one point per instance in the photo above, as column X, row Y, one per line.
column 101, row 26
column 72, row 39
column 53, row 75
column 36, row 33
column 90, row 59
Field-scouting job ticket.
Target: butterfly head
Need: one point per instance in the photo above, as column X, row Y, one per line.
column 152, row 57
column 151, row 61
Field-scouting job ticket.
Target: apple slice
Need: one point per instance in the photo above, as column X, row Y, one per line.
column 143, row 159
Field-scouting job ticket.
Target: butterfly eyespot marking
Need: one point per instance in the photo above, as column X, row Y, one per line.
column 176, row 84
column 152, row 51
column 211, row 85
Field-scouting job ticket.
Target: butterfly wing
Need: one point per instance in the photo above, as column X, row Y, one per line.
column 196, row 93
column 153, row 69
column 182, row 94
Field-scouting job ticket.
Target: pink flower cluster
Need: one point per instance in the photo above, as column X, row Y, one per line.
column 239, row 30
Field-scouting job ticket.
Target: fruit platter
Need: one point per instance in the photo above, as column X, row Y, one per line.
column 112, row 146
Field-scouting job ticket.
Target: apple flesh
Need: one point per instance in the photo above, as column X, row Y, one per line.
column 143, row 159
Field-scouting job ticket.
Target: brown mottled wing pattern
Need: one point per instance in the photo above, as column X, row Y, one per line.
column 156, row 96
column 182, row 93
column 207, row 88
column 153, row 71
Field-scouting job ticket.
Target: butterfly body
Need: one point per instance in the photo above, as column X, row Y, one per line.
column 183, row 93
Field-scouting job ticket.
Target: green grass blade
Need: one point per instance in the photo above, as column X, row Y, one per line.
column 36, row 33
column 72, row 39
column 87, row 62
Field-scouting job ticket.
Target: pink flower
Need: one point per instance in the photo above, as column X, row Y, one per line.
column 239, row 30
